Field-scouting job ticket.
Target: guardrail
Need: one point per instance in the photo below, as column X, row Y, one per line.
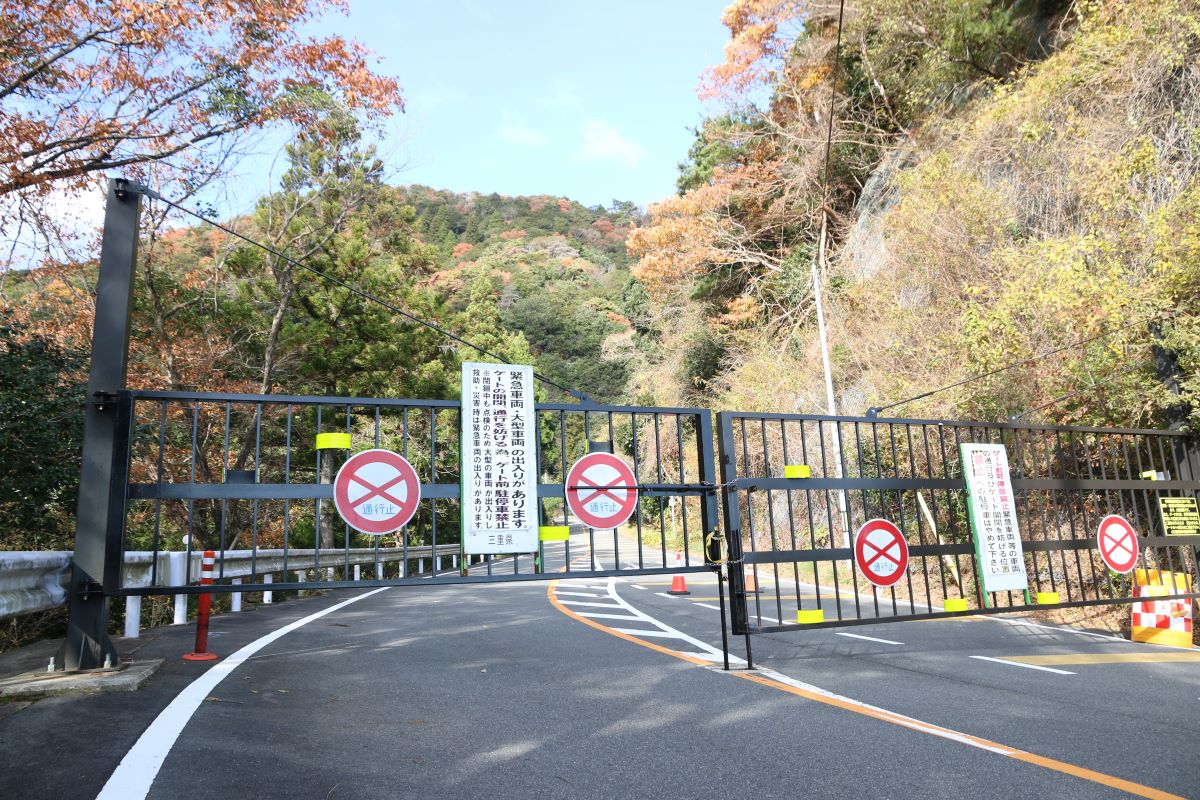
column 32, row 581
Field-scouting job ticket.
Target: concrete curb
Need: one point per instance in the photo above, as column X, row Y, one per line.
column 126, row 677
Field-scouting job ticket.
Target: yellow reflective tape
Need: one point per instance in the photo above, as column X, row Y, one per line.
column 554, row 533
column 797, row 471
column 1047, row 598
column 955, row 604
column 810, row 616
column 333, row 441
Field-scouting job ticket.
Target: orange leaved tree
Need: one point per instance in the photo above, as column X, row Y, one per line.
column 88, row 86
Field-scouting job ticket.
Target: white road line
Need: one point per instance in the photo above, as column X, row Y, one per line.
column 711, row 653
column 705, row 647
column 988, row 617
column 707, row 605
column 640, row 632
column 582, row 603
column 643, row 588
column 1026, row 666
column 132, row 778
column 1063, row 629
column 580, row 594
column 593, row 615
column 867, row 638
column 892, row 716
column 669, row 596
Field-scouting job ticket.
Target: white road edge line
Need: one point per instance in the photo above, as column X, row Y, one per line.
column 1026, row 666
column 704, row 647
column 641, row 632
column 899, row 719
column 132, row 778
column 590, row 605
column 707, row 605
column 866, row 638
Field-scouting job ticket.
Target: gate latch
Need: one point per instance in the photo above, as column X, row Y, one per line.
column 102, row 400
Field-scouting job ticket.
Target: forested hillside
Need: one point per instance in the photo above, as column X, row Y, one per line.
column 998, row 180
column 534, row 280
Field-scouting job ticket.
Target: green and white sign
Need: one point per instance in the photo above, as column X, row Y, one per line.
column 499, row 459
column 997, row 535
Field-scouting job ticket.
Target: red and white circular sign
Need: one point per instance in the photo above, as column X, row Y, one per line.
column 376, row 491
column 1118, row 543
column 881, row 552
column 601, row 490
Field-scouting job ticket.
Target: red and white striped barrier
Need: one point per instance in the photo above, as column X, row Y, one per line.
column 205, row 602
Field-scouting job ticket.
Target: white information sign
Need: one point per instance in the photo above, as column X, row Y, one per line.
column 994, row 518
column 499, row 460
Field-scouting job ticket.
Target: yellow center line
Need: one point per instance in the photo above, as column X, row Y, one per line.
column 1105, row 658
column 884, row 715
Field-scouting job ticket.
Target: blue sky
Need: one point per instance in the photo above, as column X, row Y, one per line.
column 592, row 100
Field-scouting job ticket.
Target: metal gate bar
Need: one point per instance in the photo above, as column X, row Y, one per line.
column 795, row 533
column 237, row 472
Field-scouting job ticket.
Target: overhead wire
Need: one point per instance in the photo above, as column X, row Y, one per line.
column 1070, row 395
column 874, row 410
column 578, row 395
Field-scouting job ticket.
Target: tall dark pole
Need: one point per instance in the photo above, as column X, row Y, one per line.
column 96, row 567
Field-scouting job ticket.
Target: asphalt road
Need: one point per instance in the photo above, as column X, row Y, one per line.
column 508, row 691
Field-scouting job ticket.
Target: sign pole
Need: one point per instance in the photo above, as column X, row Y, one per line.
column 96, row 566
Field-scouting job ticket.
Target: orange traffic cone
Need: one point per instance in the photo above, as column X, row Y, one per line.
column 751, row 582
column 678, row 584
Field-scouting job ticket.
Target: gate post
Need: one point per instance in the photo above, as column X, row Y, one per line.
column 96, row 567
column 732, row 518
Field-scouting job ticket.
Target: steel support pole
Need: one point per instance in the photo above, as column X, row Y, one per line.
column 732, row 514
column 96, row 569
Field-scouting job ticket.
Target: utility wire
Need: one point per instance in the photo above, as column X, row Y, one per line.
column 1057, row 400
column 837, row 62
column 874, row 410
column 578, row 395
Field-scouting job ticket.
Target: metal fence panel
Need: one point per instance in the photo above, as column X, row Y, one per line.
column 791, row 538
column 239, row 473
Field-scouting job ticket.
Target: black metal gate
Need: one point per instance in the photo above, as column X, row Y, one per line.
column 167, row 475
column 792, row 536
column 241, row 475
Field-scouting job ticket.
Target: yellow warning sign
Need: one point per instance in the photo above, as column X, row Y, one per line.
column 1180, row 516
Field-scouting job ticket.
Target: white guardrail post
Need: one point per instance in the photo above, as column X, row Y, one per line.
column 235, row 599
column 175, row 576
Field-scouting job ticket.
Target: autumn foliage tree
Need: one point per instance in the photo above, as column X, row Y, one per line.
column 89, row 86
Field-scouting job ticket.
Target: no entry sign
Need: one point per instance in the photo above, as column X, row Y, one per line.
column 1118, row 543
column 376, row 491
column 601, row 490
column 881, row 552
